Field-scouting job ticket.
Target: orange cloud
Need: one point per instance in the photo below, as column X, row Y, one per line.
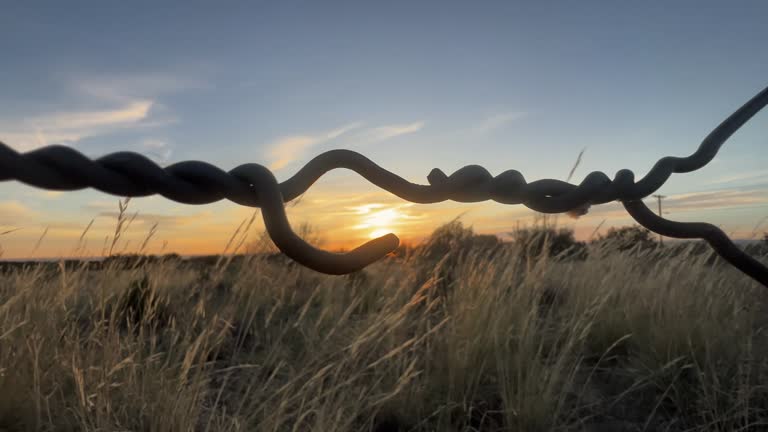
column 287, row 149
column 68, row 127
column 15, row 213
column 343, row 220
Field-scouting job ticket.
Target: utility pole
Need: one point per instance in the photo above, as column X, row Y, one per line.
column 659, row 198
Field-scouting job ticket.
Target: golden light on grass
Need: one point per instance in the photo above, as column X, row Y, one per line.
column 450, row 315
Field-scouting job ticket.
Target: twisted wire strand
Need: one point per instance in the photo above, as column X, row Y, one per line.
column 130, row 174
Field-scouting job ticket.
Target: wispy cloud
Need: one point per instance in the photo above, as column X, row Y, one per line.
column 498, row 121
column 719, row 199
column 157, row 149
column 335, row 133
column 382, row 133
column 15, row 213
column 122, row 89
column 72, row 126
column 756, row 176
column 99, row 206
column 131, row 113
column 286, row 149
column 122, row 102
column 689, row 202
column 51, row 194
column 164, row 220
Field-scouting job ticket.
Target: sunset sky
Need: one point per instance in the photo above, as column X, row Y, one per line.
column 412, row 85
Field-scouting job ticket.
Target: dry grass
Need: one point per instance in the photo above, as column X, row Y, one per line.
column 471, row 342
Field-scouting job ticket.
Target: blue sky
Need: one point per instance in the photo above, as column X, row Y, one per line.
column 413, row 85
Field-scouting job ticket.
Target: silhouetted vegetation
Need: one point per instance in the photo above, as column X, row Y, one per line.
column 462, row 332
column 536, row 242
column 626, row 238
column 759, row 248
column 455, row 238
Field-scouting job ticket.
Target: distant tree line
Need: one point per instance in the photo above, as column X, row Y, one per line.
column 455, row 239
column 561, row 243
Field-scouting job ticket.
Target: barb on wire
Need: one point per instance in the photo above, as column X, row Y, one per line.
column 130, row 174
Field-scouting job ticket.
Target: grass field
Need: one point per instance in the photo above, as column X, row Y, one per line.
column 468, row 339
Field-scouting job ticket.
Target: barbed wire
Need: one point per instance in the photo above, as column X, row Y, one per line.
column 129, row 174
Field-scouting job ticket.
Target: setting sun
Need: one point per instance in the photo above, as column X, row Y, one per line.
column 352, row 216
column 379, row 222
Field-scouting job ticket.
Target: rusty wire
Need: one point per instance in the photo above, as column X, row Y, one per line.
column 130, row 174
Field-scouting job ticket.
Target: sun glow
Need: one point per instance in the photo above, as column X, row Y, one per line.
column 378, row 233
column 379, row 222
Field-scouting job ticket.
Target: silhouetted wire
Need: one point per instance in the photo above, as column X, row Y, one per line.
column 710, row 233
column 130, row 174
